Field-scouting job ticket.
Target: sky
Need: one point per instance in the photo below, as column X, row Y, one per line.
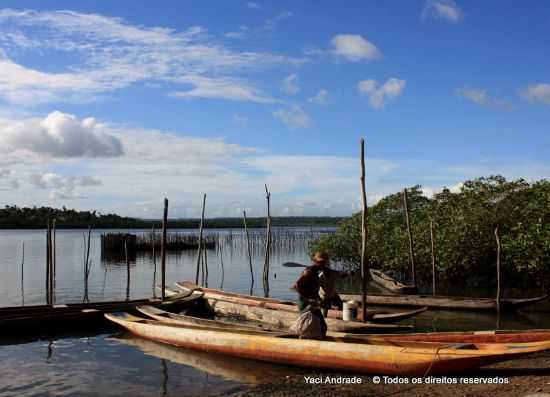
column 113, row 106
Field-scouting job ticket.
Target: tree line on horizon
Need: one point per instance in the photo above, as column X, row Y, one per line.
column 465, row 223
column 14, row 217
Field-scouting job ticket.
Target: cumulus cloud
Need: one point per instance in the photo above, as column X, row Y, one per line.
column 443, row 9
column 58, row 135
column 114, row 54
column 354, row 48
column 537, row 93
column 62, row 186
column 321, row 98
column 480, row 97
column 293, row 117
column 379, row 94
column 290, row 84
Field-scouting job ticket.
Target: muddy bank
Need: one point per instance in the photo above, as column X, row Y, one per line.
column 528, row 376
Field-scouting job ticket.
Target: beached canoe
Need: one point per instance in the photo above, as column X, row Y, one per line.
column 380, row 357
column 390, row 284
column 446, row 302
column 379, row 317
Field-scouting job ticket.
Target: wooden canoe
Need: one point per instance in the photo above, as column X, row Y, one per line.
column 379, row 317
column 492, row 336
column 283, row 319
column 380, row 357
column 445, row 302
column 390, row 284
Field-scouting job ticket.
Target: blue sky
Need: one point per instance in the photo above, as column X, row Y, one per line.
column 114, row 105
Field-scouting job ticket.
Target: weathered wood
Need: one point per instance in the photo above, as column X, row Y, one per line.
column 432, row 239
column 364, row 235
column 153, row 238
column 199, row 252
column 23, row 275
column 163, row 248
column 411, row 240
column 267, row 244
column 498, row 297
column 249, row 251
column 48, row 261
column 446, row 302
column 389, row 283
column 54, row 262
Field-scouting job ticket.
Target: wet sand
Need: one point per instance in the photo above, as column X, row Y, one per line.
column 528, row 376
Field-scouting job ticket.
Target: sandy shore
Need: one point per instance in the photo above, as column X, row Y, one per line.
column 528, row 376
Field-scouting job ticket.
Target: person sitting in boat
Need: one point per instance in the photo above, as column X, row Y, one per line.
column 308, row 284
column 327, row 283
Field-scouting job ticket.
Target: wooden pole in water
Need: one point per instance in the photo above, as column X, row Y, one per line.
column 364, row 235
column 127, row 268
column 411, row 241
column 23, row 275
column 153, row 241
column 248, row 249
column 48, row 258
column 267, row 244
column 54, row 263
column 497, row 237
column 163, row 249
column 432, row 238
column 200, row 239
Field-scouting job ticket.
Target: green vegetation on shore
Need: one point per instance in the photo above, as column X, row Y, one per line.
column 465, row 222
column 13, row 217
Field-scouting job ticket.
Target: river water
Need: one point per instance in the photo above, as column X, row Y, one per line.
column 109, row 362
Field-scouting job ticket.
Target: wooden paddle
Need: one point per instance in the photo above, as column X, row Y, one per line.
column 293, row 264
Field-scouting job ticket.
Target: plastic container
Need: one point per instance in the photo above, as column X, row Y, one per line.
column 349, row 311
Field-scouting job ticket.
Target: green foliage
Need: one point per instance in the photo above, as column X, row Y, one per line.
column 465, row 222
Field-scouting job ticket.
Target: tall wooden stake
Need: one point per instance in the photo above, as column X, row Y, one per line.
column 249, row 252
column 199, row 252
column 432, row 238
column 163, row 249
column 127, row 268
column 497, row 237
column 364, row 235
column 153, row 239
column 411, row 241
column 267, row 244
column 23, row 275
column 48, row 263
column 54, row 263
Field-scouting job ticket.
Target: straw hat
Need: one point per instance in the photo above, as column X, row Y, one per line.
column 320, row 257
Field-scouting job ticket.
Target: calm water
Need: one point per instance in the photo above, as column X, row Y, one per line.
column 108, row 362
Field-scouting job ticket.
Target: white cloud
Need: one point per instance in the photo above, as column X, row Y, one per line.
column 111, row 53
column 354, row 47
column 237, row 34
column 271, row 23
column 58, row 135
column 290, row 84
column 294, row 117
column 443, row 9
column 537, row 93
column 253, row 5
column 480, row 97
column 62, row 186
column 225, row 89
column 321, row 98
column 379, row 94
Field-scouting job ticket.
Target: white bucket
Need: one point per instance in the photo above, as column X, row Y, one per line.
column 349, row 311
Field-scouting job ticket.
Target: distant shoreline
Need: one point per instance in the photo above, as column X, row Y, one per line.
column 13, row 217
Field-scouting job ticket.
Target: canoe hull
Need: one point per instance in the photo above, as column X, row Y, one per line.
column 361, row 358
